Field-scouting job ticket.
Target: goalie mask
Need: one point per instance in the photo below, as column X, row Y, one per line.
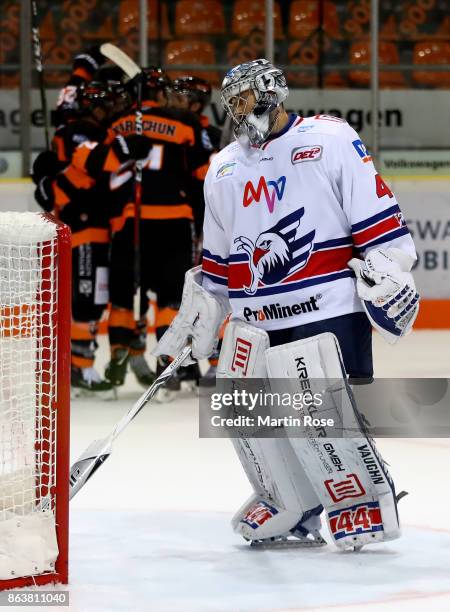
column 251, row 95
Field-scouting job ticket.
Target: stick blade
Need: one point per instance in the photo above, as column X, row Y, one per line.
column 87, row 464
column 121, row 59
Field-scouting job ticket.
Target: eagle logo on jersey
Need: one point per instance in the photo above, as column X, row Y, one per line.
column 278, row 252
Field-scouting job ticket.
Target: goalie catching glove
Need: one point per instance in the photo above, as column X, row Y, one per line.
column 198, row 320
column 387, row 290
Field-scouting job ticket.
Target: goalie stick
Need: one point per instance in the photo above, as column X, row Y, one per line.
column 99, row 450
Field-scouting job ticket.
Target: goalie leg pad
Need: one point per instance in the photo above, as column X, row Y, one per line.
column 271, row 466
column 243, row 352
column 259, row 519
column 348, row 474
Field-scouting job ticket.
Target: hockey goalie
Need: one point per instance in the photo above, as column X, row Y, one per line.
column 305, row 245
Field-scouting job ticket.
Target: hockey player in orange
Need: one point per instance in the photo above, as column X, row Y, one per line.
column 77, row 195
column 194, row 94
column 172, row 198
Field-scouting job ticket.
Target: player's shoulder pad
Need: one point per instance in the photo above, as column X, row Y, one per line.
column 223, row 164
column 324, row 124
column 334, row 131
column 79, row 131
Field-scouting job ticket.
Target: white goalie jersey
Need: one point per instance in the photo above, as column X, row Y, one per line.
column 282, row 221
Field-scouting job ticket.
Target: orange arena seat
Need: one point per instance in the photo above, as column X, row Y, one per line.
column 443, row 30
column 389, row 29
column 47, row 28
column 432, row 52
column 304, row 19
column 249, row 15
column 360, row 54
column 191, row 52
column 306, row 54
column 201, row 17
column 240, row 51
column 105, row 31
column 302, row 55
column 158, row 23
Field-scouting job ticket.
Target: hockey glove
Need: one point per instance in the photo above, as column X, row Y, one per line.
column 198, row 320
column 45, row 164
column 132, row 147
column 44, row 194
column 387, row 290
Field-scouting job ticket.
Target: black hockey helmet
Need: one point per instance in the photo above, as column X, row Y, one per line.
column 155, row 78
column 110, row 74
column 152, row 80
column 194, row 88
column 94, row 94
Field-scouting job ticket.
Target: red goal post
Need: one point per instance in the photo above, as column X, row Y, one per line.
column 35, row 316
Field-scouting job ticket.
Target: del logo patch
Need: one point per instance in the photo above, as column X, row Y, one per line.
column 305, row 154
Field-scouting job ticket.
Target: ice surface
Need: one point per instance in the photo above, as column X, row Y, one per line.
column 151, row 530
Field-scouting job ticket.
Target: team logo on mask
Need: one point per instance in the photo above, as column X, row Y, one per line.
column 272, row 190
column 278, row 252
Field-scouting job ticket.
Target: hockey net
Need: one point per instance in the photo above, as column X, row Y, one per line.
column 35, row 258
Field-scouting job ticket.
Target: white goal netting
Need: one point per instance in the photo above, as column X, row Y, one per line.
column 28, row 319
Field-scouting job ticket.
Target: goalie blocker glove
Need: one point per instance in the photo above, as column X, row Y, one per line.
column 387, row 290
column 198, row 320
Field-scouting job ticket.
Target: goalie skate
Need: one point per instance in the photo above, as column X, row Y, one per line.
column 288, row 542
column 306, row 534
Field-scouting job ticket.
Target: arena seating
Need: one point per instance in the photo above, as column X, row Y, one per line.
column 249, row 15
column 197, row 18
column 199, row 52
column 360, row 55
column 304, row 19
column 432, row 52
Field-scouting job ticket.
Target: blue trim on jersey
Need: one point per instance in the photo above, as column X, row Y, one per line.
column 357, row 227
column 310, row 282
column 239, row 257
column 215, row 258
column 328, row 244
column 292, row 118
column 401, row 231
column 216, row 279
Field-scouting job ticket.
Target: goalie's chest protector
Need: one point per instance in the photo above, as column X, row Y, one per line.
column 278, row 235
